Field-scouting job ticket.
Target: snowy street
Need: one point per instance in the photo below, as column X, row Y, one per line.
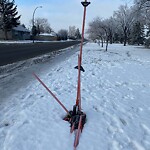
column 115, row 97
column 12, row 52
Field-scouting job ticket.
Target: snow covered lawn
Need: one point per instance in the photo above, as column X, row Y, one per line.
column 115, row 97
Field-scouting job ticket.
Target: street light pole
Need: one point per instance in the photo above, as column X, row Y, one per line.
column 33, row 21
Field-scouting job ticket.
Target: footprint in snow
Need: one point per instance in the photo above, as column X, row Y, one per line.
column 4, row 125
column 59, row 69
column 123, row 121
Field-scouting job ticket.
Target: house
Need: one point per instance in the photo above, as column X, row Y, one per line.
column 20, row 33
column 47, row 37
column 17, row 33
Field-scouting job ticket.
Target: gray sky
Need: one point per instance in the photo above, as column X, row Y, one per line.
column 64, row 13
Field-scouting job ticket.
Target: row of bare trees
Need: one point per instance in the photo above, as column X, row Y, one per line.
column 127, row 25
column 101, row 30
column 43, row 26
column 72, row 33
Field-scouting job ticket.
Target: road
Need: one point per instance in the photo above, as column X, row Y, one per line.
column 10, row 53
column 20, row 75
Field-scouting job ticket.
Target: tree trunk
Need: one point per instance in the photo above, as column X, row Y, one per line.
column 5, row 34
column 125, row 36
column 111, row 38
column 102, row 43
column 125, row 40
column 107, row 44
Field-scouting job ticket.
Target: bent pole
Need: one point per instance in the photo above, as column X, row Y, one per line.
column 50, row 92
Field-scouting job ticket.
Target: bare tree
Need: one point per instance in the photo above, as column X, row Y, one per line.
column 143, row 8
column 77, row 34
column 95, row 31
column 43, row 25
column 142, row 3
column 125, row 17
column 102, row 30
column 111, row 27
column 72, row 32
column 62, row 34
column 106, row 31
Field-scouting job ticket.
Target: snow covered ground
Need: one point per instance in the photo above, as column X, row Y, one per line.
column 115, row 97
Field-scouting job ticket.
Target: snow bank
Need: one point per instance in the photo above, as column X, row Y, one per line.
column 115, row 97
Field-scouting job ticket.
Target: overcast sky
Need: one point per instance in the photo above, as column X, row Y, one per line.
column 64, row 13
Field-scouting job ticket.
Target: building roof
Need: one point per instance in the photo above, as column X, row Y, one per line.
column 49, row 34
column 21, row 28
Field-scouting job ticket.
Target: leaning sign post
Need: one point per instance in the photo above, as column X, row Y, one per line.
column 75, row 117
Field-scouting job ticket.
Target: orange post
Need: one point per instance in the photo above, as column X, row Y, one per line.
column 78, row 99
column 76, row 142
